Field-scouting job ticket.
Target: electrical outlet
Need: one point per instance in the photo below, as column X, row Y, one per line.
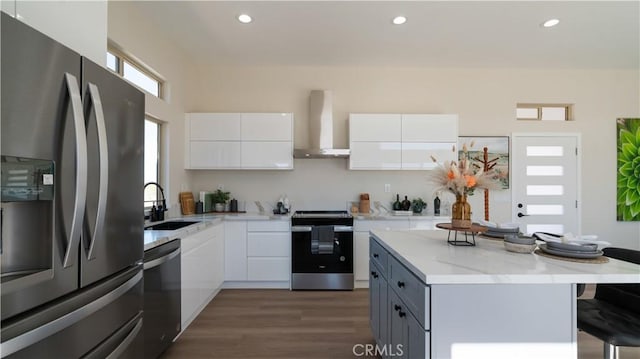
column 387, row 188
column 221, row 187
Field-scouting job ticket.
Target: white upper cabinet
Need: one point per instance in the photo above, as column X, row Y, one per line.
column 239, row 141
column 267, row 127
column 429, row 128
column 79, row 25
column 375, row 127
column 401, row 141
column 214, row 126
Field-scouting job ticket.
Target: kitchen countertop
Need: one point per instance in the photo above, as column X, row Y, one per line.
column 379, row 217
column 156, row 238
column 427, row 254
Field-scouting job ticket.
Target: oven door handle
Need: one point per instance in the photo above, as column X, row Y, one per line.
column 310, row 228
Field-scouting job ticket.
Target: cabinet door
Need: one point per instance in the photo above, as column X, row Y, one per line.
column 361, row 255
column 213, row 155
column 271, row 155
column 375, row 156
column 268, row 244
column 398, row 326
column 214, row 126
column 235, row 250
column 267, row 127
column 378, row 305
column 429, row 128
column 375, row 127
column 269, row 268
column 417, row 155
column 214, row 263
column 190, row 292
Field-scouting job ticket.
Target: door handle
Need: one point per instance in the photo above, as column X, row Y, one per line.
column 103, row 152
column 520, row 214
column 81, row 169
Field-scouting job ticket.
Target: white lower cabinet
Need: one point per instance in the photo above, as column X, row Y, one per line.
column 235, row 251
column 269, row 250
column 258, row 254
column 399, row 308
column 202, row 269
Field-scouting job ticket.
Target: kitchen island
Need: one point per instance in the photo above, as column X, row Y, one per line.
column 433, row 300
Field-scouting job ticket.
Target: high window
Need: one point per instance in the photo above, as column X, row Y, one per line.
column 134, row 73
column 544, row 112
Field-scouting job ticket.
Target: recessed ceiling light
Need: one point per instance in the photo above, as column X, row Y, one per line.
column 244, row 18
column 399, row 20
column 550, row 23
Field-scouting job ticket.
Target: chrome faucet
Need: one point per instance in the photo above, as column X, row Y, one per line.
column 157, row 214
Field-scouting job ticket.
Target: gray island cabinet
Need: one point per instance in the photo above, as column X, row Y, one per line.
column 429, row 299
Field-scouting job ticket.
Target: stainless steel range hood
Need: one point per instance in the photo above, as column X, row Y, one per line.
column 320, row 129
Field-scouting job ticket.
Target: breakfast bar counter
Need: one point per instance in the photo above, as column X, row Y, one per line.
column 434, row 300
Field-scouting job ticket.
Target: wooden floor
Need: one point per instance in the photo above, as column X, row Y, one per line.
column 248, row 323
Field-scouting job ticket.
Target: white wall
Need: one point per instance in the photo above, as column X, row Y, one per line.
column 79, row 25
column 136, row 36
column 485, row 100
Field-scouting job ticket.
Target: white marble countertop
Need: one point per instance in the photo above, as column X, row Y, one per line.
column 156, row 238
column 378, row 217
column 428, row 255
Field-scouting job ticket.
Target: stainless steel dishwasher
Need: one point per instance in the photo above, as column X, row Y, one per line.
column 161, row 323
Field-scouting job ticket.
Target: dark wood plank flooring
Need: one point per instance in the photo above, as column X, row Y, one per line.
column 247, row 323
column 251, row 323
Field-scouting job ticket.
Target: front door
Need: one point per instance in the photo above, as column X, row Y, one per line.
column 545, row 183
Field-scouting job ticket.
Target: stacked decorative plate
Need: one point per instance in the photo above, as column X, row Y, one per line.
column 500, row 232
column 571, row 249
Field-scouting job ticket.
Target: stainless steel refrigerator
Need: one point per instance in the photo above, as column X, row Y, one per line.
column 71, row 211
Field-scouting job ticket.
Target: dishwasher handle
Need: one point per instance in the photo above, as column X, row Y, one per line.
column 161, row 260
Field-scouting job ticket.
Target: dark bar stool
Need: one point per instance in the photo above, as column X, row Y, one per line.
column 613, row 315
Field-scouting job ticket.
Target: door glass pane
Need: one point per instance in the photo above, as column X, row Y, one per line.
column 554, row 151
column 545, row 209
column 549, row 228
column 544, row 171
column 545, row 190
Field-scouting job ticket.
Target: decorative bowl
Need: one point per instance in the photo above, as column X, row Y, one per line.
column 519, row 239
column 519, row 248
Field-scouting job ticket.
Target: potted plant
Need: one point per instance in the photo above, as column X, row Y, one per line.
column 219, row 199
column 418, row 205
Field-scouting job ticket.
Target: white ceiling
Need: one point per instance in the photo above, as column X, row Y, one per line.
column 591, row 34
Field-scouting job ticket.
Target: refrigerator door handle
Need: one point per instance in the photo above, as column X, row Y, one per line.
column 103, row 150
column 81, row 169
column 120, row 349
column 33, row 336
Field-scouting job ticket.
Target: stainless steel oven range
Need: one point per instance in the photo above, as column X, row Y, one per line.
column 321, row 250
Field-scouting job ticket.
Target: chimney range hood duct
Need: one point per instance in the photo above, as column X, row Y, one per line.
column 320, row 129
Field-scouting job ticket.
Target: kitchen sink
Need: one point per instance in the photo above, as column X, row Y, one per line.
column 170, row 225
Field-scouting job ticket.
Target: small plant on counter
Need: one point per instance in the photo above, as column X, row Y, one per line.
column 418, row 205
column 220, row 196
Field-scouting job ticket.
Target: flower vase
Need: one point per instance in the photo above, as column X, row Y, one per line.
column 461, row 212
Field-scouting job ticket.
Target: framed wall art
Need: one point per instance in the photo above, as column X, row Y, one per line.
column 628, row 169
column 497, row 154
